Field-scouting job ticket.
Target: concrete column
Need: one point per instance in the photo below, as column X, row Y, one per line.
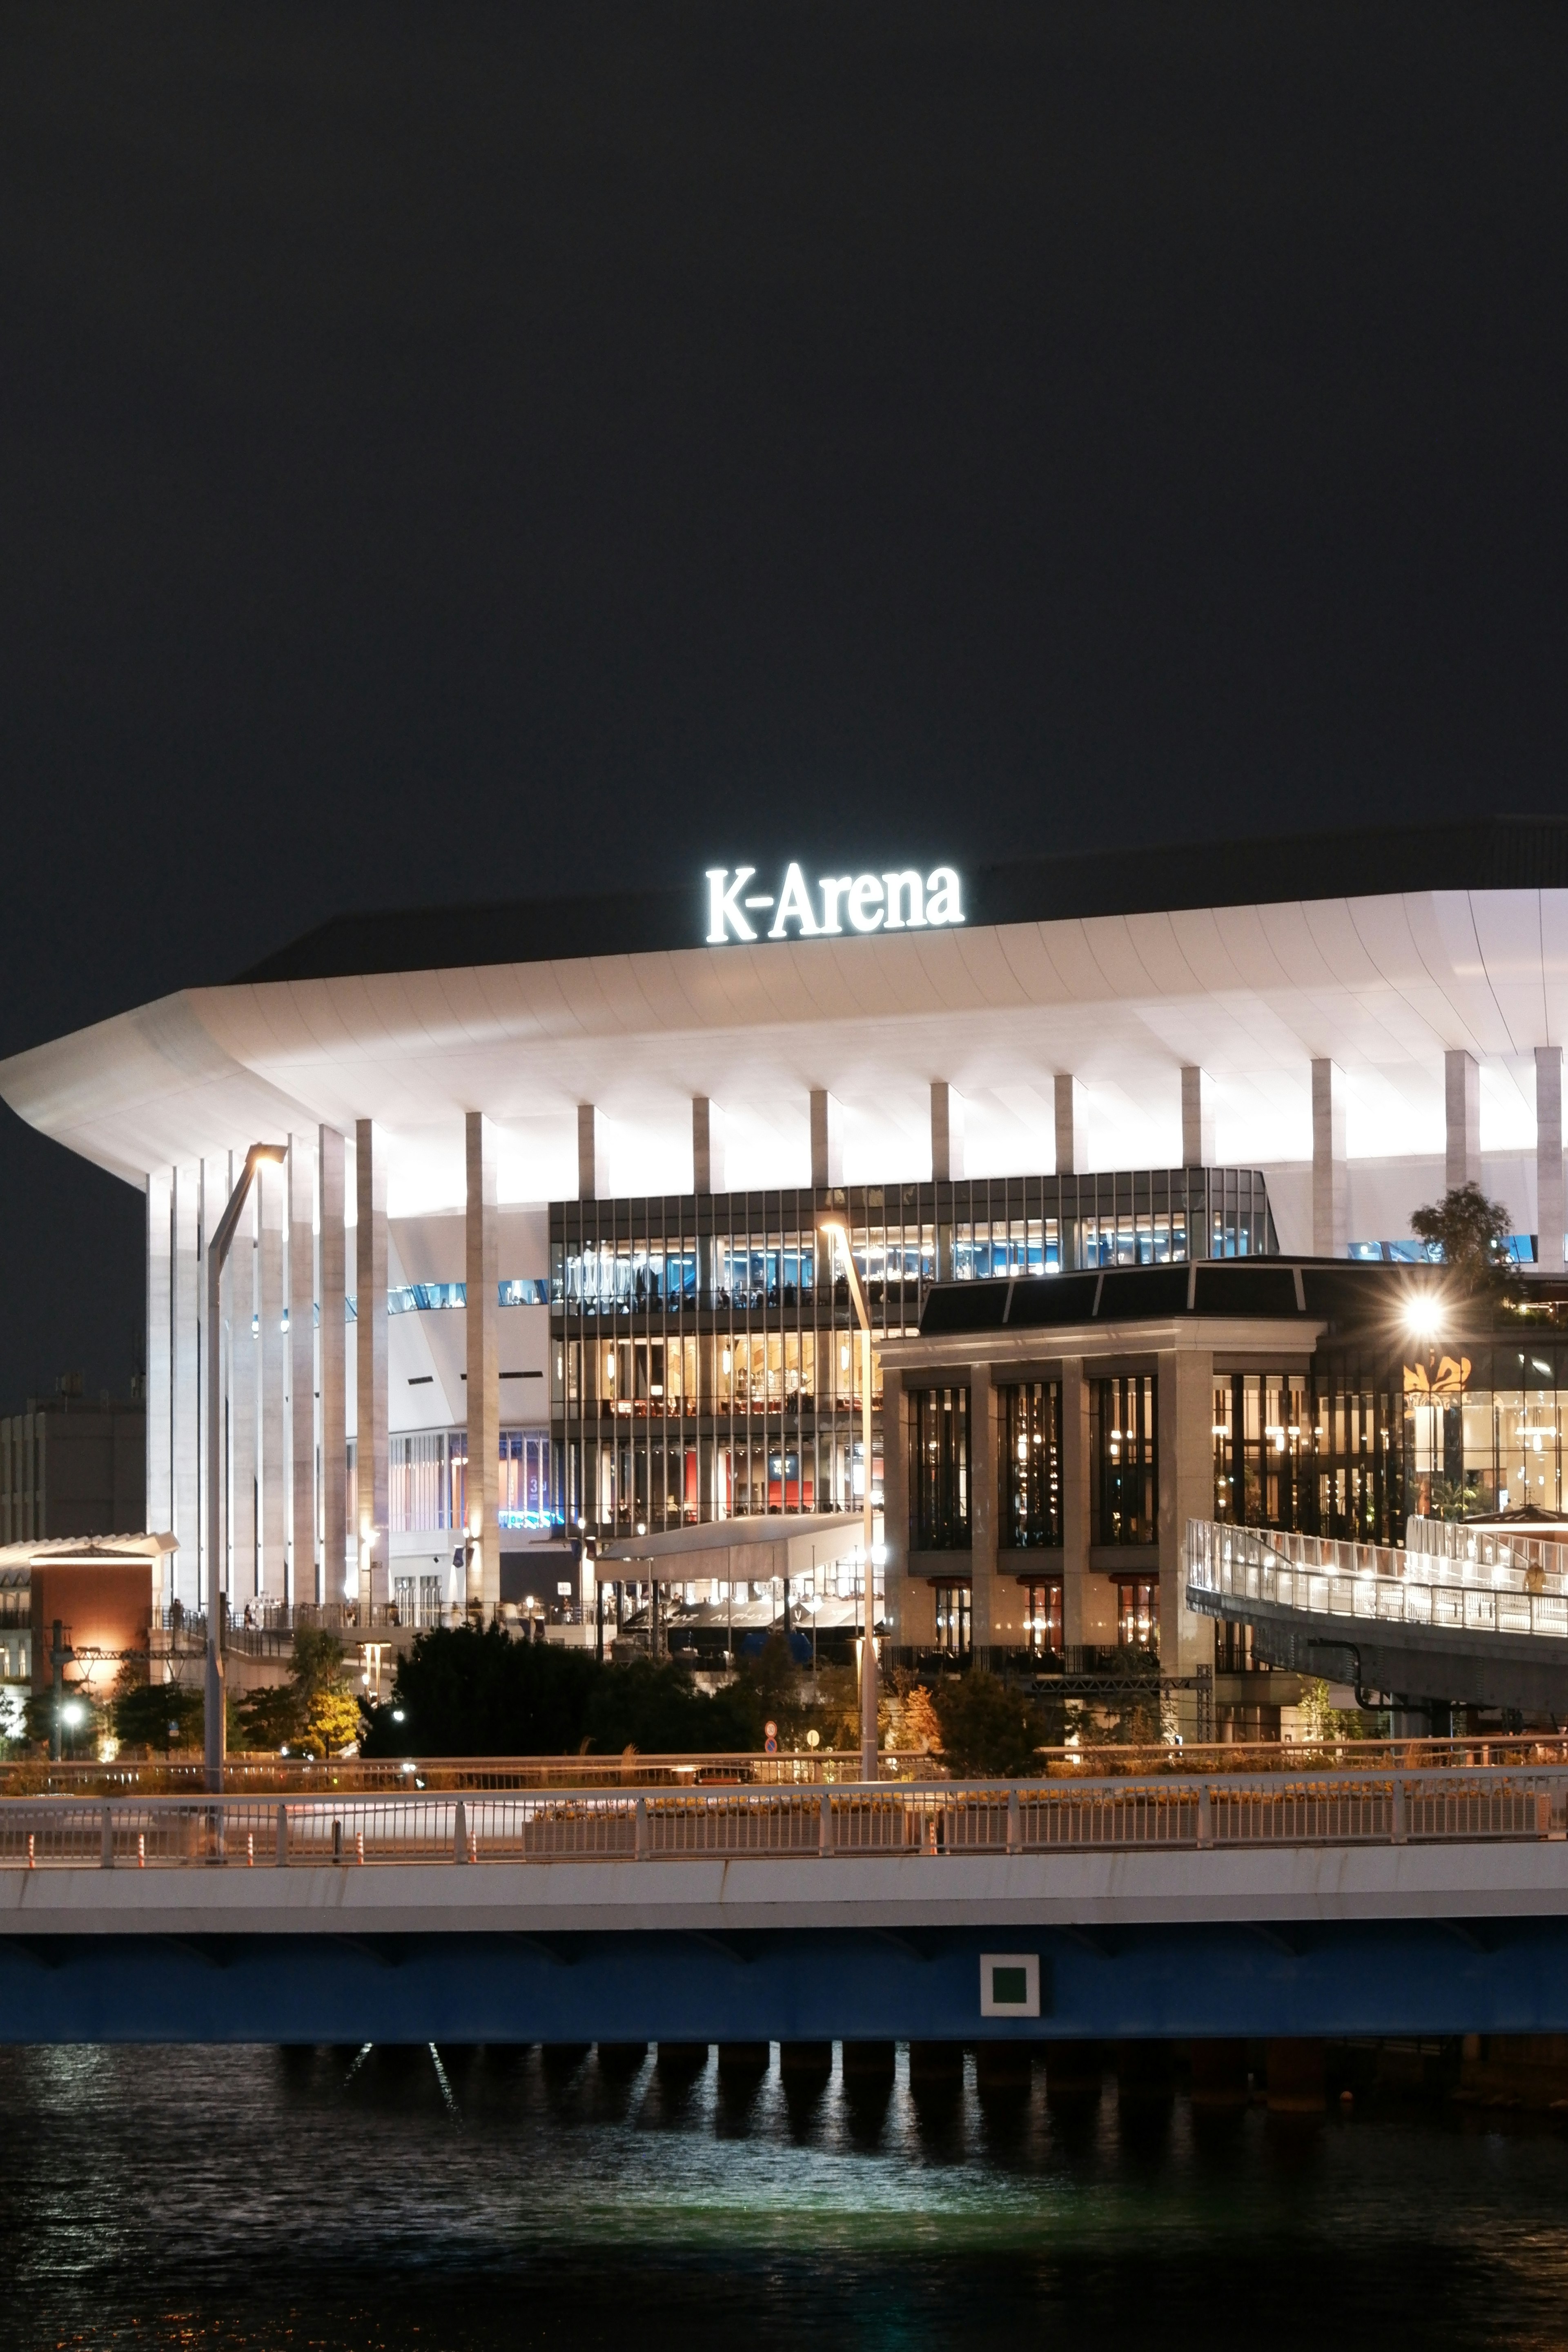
column 589, row 1152
column 706, row 1146
column 271, row 1370
column 482, row 1268
column 1080, row 1618
column 215, row 1355
column 1185, row 1428
column 895, row 1501
column 1198, row 1118
column 1462, row 1108
column 1330, row 1213
column 1549, row 1194
column 332, row 1469
column 1072, row 1134
column 827, row 1138
column 946, row 1133
column 303, row 1382
column 242, row 1346
column 185, row 1401
column 370, row 1359
column 159, row 1389
column 984, row 1505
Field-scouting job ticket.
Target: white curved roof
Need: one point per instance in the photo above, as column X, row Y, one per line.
column 1382, row 984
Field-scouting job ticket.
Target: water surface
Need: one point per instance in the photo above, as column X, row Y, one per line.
column 476, row 2199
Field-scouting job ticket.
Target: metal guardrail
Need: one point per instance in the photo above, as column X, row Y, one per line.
column 1282, row 1571
column 813, row 1768
column 935, row 1819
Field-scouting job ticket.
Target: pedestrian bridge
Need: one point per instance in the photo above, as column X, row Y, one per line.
column 1164, row 1905
column 1463, row 1615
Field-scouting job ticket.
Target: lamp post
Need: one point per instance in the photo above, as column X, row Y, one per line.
column 215, row 1729
column 837, row 1231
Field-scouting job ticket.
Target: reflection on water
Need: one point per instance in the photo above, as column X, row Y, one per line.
column 477, row 2199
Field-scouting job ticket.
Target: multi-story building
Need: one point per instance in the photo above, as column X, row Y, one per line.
column 551, row 1212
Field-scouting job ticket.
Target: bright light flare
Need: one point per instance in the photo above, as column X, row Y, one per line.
column 1424, row 1316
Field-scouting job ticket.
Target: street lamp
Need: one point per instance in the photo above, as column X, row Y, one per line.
column 215, row 1727
column 836, row 1231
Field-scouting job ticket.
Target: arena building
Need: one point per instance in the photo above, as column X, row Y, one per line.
column 553, row 1196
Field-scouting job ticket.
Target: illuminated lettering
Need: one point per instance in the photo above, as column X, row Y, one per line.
column 901, row 886
column 866, row 894
column 898, row 900
column 721, row 906
column 942, row 897
column 793, row 906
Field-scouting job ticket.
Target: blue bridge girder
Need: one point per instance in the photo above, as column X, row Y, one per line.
column 1334, row 1903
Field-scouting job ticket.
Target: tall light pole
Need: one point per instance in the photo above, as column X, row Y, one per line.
column 215, row 1729
column 837, row 1231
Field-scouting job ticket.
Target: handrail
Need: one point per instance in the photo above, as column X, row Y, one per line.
column 26, row 1782
column 1370, row 1583
column 934, row 1820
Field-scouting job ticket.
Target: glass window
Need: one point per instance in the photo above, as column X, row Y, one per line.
column 1043, row 1617
column 1028, row 1419
column 1123, row 1489
column 953, row 1618
column 939, row 1466
column 1137, row 1612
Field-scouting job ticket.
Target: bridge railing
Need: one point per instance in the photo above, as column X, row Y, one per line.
column 1327, row 1579
column 885, row 1821
column 342, row 1776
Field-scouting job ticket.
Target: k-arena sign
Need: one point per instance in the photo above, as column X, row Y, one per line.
column 835, row 903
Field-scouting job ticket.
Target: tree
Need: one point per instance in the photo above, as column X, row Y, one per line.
column 163, row 1718
column 82, row 1721
column 315, row 1713
column 1472, row 1234
column 987, row 1728
column 921, row 1725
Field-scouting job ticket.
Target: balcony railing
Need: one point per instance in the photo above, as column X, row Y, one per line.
column 1193, row 1814
column 1370, row 1582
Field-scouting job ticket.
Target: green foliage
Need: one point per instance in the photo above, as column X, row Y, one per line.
column 164, row 1718
column 314, row 1713
column 1472, row 1234
column 465, row 1691
column 82, row 1721
column 988, row 1729
column 1322, row 1721
column 1454, row 1499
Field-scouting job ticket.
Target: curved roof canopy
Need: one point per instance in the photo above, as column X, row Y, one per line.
column 1379, row 951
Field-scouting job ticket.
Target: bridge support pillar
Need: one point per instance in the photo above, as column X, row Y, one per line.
column 1296, row 2085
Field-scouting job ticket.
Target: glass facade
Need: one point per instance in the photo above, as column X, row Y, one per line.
column 1319, row 1452
column 427, row 1473
column 1043, row 1617
column 1124, row 1478
column 1483, row 1427
column 703, row 1362
column 1029, row 1430
column 953, row 1618
column 1137, row 1612
column 938, row 1469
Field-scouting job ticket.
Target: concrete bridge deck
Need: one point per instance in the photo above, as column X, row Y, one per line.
column 1371, row 1903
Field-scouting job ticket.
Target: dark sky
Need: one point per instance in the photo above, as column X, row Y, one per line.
column 470, row 451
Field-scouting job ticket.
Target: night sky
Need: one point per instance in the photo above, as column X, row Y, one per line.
column 462, row 451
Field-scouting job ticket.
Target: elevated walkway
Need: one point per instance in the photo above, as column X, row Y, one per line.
column 1467, row 1619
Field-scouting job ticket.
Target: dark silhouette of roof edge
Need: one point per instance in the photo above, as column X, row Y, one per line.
column 1492, row 853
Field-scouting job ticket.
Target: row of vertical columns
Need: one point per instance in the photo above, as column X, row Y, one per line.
column 482, row 1268
column 301, row 1573
column 285, row 1483
column 373, row 1511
